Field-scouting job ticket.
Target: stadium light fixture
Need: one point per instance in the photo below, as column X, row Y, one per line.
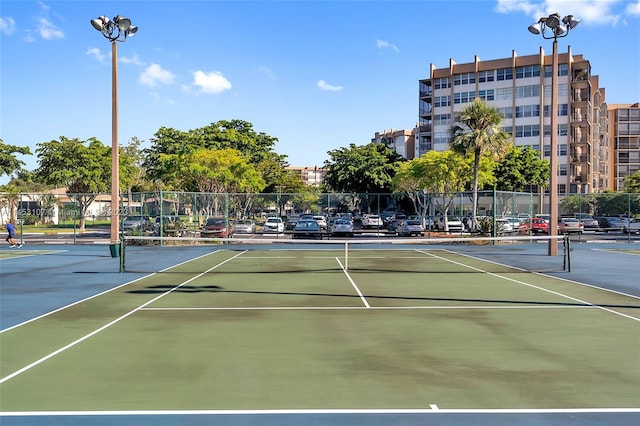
column 550, row 27
column 115, row 30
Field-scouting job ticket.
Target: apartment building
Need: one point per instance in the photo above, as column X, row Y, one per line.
column 624, row 122
column 401, row 141
column 520, row 87
column 312, row 175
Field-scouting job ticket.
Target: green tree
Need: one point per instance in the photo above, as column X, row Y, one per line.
column 9, row 163
column 632, row 183
column 213, row 172
column 83, row 167
column 520, row 167
column 365, row 169
column 444, row 175
column 174, row 144
column 479, row 132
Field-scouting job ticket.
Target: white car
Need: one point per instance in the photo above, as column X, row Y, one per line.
column 372, row 221
column 321, row 221
column 504, row 226
column 453, row 223
column 342, row 227
column 273, row 225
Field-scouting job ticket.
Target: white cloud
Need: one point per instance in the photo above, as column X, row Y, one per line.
column 154, row 74
column 633, row 9
column 591, row 12
column 266, row 71
column 382, row 44
column 135, row 60
column 7, row 25
column 96, row 53
column 323, row 85
column 48, row 31
column 213, row 82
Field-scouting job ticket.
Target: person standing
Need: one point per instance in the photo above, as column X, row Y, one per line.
column 11, row 230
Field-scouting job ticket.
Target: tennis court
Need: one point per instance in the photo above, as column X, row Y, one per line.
column 320, row 334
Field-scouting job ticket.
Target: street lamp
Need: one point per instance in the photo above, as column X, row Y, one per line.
column 114, row 30
column 554, row 27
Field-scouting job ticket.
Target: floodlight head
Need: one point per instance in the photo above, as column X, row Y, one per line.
column 97, row 24
column 535, row 28
column 559, row 30
column 129, row 32
column 570, row 22
column 100, row 23
column 122, row 22
column 553, row 21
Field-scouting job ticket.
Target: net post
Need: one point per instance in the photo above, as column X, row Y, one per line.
column 346, row 255
column 567, row 254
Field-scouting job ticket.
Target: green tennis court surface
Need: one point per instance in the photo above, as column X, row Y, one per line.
column 416, row 329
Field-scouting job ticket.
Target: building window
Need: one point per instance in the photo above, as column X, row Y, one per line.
column 506, row 112
column 563, row 129
column 563, row 69
column 505, row 74
column 442, row 83
column 528, row 91
column 528, row 111
column 528, row 71
column 487, row 95
column 442, row 101
column 442, row 119
column 484, row 76
column 441, row 138
column 562, row 149
column 507, row 129
column 467, row 78
column 504, row 93
column 527, row 130
column 562, row 170
column 463, row 97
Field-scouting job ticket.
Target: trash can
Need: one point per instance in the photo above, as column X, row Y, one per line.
column 115, row 249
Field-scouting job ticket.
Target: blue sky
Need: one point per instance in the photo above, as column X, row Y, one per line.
column 317, row 75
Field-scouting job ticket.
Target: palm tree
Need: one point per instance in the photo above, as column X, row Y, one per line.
column 478, row 132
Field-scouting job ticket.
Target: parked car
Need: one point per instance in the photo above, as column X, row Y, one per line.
column 321, row 221
column 341, row 227
column 172, row 226
column 632, row 227
column 245, row 226
column 588, row 221
column 410, row 227
column 136, row 224
column 372, row 221
column 216, row 227
column 504, row 226
column 537, row 225
column 273, row 225
column 453, row 224
column 291, row 222
column 568, row 225
column 308, row 229
column 611, row 223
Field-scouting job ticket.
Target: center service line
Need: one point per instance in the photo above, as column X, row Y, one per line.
column 353, row 284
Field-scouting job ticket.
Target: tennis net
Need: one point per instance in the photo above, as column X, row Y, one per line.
column 281, row 254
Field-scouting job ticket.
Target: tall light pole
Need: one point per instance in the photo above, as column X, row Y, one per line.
column 554, row 27
column 116, row 30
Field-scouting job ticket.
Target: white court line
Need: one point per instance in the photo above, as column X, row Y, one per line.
column 104, row 327
column 526, row 284
column 327, row 411
column 357, row 308
column 353, row 284
column 102, row 293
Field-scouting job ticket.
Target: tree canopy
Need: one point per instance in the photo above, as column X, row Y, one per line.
column 521, row 166
column 362, row 169
column 9, row 163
